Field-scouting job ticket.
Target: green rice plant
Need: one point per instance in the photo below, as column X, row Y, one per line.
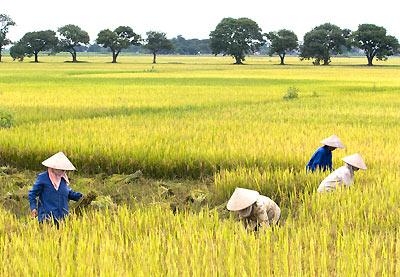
column 140, row 241
column 6, row 119
column 202, row 119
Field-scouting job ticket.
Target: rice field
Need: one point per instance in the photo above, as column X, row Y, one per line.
column 202, row 117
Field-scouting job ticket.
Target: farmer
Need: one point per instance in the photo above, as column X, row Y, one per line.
column 254, row 210
column 49, row 196
column 344, row 175
column 322, row 158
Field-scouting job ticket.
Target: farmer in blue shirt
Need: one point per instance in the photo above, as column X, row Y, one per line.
column 322, row 158
column 49, row 196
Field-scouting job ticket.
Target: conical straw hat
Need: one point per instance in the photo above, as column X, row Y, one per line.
column 355, row 160
column 333, row 141
column 59, row 161
column 241, row 199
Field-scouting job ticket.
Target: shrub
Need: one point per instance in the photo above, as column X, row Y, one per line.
column 314, row 94
column 291, row 93
column 6, row 119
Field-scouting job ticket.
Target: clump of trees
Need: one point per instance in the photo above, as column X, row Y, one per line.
column 32, row 43
column 71, row 38
column 184, row 46
column 234, row 37
column 240, row 37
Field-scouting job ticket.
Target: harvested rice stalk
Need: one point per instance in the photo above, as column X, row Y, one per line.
column 84, row 202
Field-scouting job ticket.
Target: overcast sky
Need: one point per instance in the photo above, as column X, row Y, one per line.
column 195, row 19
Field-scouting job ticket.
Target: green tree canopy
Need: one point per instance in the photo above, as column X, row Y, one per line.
column 237, row 38
column 282, row 42
column 17, row 51
column 322, row 42
column 157, row 41
column 374, row 42
column 5, row 23
column 72, row 36
column 184, row 46
column 117, row 40
column 35, row 42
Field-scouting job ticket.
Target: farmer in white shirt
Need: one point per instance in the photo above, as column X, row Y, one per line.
column 254, row 210
column 344, row 175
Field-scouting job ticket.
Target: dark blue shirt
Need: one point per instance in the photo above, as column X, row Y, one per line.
column 321, row 159
column 49, row 202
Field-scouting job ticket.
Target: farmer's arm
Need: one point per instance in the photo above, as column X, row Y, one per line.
column 260, row 211
column 73, row 195
column 34, row 192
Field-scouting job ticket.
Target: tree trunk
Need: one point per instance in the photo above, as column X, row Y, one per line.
column 0, row 56
column 370, row 59
column 282, row 56
column 36, row 57
column 154, row 57
column 238, row 60
column 74, row 60
column 115, row 55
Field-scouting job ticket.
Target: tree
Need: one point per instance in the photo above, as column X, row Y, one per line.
column 184, row 46
column 322, row 42
column 282, row 42
column 5, row 23
column 374, row 42
column 35, row 42
column 156, row 42
column 120, row 38
column 236, row 37
column 71, row 37
column 17, row 51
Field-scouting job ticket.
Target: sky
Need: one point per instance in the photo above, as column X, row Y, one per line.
column 192, row 19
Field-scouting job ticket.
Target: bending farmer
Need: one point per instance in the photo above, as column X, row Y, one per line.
column 322, row 158
column 254, row 210
column 344, row 175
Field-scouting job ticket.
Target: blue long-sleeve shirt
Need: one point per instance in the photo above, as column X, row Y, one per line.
column 321, row 159
column 49, row 202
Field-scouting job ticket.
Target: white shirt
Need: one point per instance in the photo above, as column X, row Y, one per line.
column 264, row 211
column 344, row 175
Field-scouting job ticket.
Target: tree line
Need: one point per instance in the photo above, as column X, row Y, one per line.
column 232, row 37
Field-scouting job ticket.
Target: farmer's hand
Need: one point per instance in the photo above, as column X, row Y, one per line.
column 34, row 213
